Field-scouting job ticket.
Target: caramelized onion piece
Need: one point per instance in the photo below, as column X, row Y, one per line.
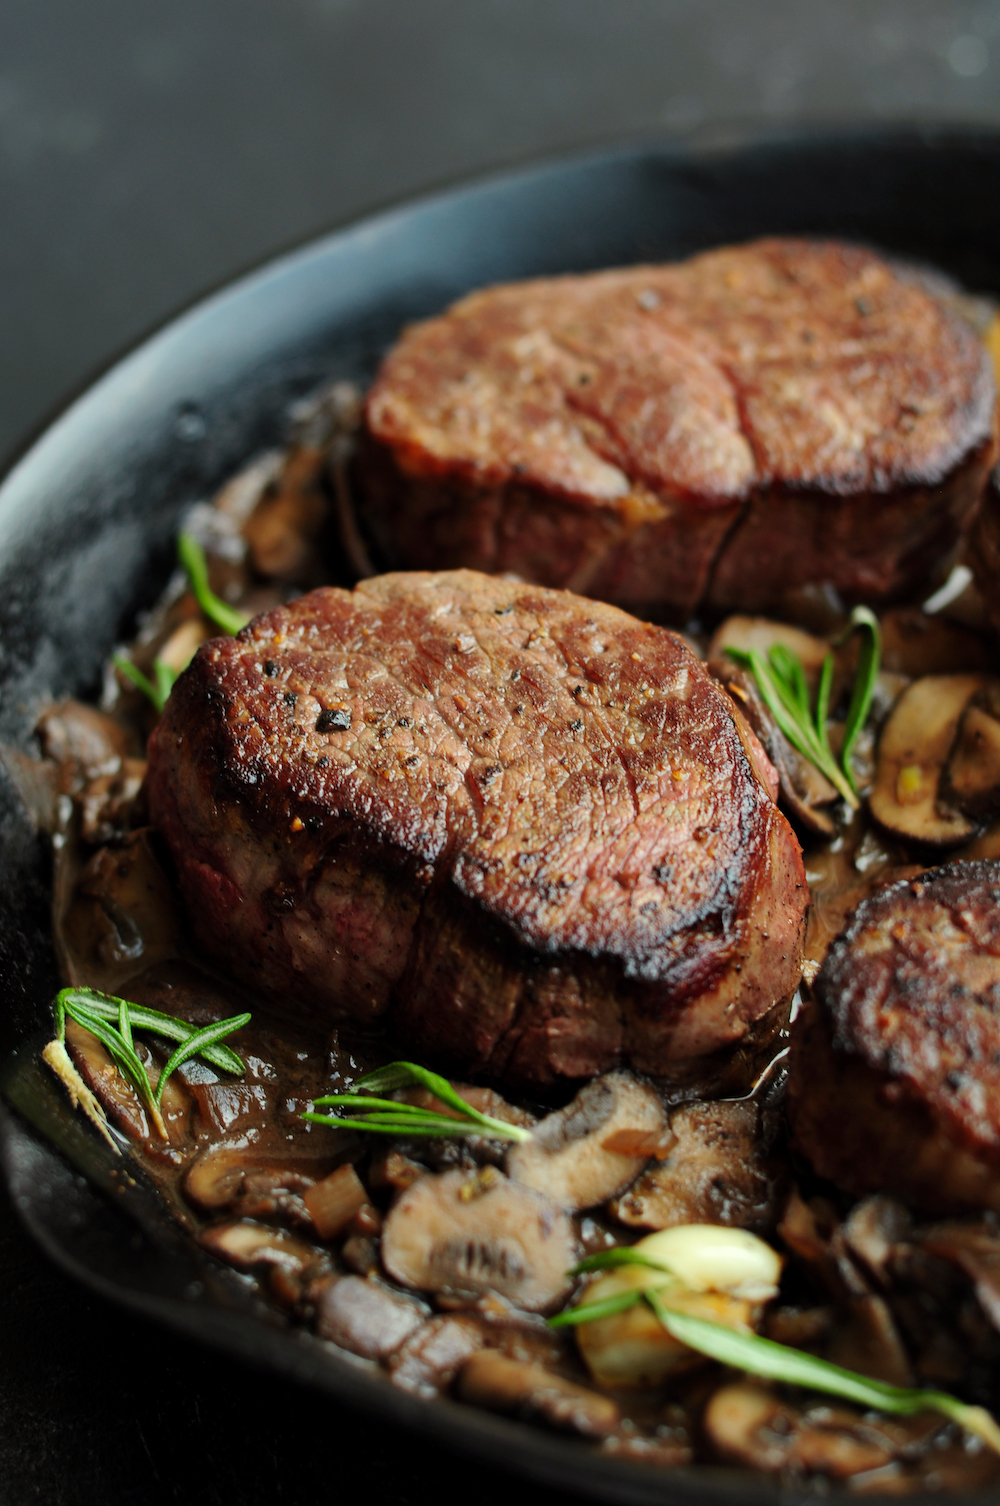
column 334, row 1201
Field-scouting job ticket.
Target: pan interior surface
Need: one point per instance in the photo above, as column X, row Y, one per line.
column 87, row 520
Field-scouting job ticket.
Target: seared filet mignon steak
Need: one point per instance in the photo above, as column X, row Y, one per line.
column 718, row 432
column 525, row 824
column 895, row 1066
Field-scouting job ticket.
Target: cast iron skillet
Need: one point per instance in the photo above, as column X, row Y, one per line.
column 87, row 520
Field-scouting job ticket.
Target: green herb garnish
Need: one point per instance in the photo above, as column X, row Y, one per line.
column 192, row 558
column 156, row 689
column 195, row 566
column 781, row 680
column 621, row 1255
column 759, row 1356
column 112, row 1021
column 389, row 1116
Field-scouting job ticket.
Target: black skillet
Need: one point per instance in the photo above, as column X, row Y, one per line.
column 87, row 520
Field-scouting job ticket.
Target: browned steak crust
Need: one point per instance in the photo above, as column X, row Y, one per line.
column 721, row 431
column 895, row 1073
column 523, row 823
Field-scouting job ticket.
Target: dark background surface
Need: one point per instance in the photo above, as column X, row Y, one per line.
column 148, row 152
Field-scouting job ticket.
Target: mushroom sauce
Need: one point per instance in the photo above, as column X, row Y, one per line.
column 420, row 1274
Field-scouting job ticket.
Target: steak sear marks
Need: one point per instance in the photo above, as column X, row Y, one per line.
column 536, row 836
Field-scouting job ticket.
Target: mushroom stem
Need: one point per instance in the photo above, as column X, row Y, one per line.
column 59, row 1060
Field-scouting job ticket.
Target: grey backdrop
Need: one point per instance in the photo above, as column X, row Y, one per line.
column 149, row 150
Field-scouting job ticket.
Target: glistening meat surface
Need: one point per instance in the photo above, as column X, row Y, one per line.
column 721, row 431
column 525, row 827
column 895, row 1065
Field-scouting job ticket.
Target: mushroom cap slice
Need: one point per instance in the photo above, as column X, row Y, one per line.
column 596, row 1146
column 913, row 750
column 479, row 1232
column 529, row 1390
column 749, row 1424
column 717, row 1171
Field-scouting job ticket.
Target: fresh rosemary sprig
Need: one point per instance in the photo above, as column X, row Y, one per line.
column 389, row 1116
column 865, row 676
column 156, row 689
column 756, row 1355
column 192, row 558
column 112, row 1021
column 781, row 680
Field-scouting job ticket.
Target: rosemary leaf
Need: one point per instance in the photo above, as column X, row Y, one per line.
column 392, row 1116
column 822, row 714
column 192, row 558
column 759, row 1356
column 620, row 1255
column 124, row 1056
column 782, row 683
column 112, row 1021
column 443, row 1092
column 194, row 1046
column 141, row 1018
column 592, row 1312
column 165, row 679
column 124, row 1025
column 401, row 1129
column 869, row 662
column 387, row 1105
column 157, row 692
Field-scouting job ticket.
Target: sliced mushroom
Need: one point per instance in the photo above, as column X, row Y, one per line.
column 85, row 742
column 366, row 1318
column 869, row 1342
column 595, row 1146
column 283, row 531
column 218, row 1176
column 873, row 1229
column 480, row 1232
column 247, row 1244
column 530, row 1391
column 975, row 1249
column 916, row 643
column 717, row 1172
column 120, row 1100
column 972, row 780
column 747, row 1424
column 109, row 804
column 124, row 915
column 762, row 633
column 913, row 750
